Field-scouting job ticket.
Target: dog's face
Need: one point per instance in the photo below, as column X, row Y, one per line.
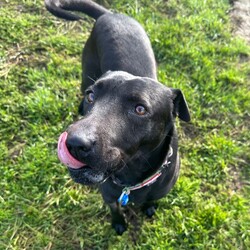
column 124, row 117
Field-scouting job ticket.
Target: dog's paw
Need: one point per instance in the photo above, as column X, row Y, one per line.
column 149, row 210
column 119, row 228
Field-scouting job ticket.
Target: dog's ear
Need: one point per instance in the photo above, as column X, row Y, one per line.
column 180, row 105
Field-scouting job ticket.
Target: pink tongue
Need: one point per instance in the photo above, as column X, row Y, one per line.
column 64, row 155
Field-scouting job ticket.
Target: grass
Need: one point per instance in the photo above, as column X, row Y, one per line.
column 41, row 208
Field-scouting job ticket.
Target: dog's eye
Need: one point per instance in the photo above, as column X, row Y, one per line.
column 140, row 110
column 90, row 97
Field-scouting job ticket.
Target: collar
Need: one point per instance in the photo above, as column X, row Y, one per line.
column 124, row 197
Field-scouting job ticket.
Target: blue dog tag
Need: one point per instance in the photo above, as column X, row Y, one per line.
column 124, row 198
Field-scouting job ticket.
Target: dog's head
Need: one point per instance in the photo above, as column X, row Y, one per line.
column 124, row 116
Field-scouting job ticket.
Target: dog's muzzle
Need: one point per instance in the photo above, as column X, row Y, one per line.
column 79, row 171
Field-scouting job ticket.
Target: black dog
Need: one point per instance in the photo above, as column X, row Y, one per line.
column 126, row 142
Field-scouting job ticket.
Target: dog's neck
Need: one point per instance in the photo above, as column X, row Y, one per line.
column 143, row 166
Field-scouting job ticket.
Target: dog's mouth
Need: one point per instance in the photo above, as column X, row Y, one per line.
column 79, row 171
column 64, row 155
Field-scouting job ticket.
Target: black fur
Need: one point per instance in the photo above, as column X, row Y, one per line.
column 115, row 140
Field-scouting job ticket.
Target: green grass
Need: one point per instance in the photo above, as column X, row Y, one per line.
column 41, row 208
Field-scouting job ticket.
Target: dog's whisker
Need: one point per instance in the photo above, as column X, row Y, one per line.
column 91, row 79
column 146, row 160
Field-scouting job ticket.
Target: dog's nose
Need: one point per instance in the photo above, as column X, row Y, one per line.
column 80, row 146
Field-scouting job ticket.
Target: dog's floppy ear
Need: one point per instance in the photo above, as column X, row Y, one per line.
column 180, row 105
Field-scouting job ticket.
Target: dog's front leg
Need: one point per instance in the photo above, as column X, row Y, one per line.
column 118, row 220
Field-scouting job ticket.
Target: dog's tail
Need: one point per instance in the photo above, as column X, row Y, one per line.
column 62, row 8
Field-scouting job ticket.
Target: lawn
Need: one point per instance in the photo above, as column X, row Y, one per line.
column 40, row 75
